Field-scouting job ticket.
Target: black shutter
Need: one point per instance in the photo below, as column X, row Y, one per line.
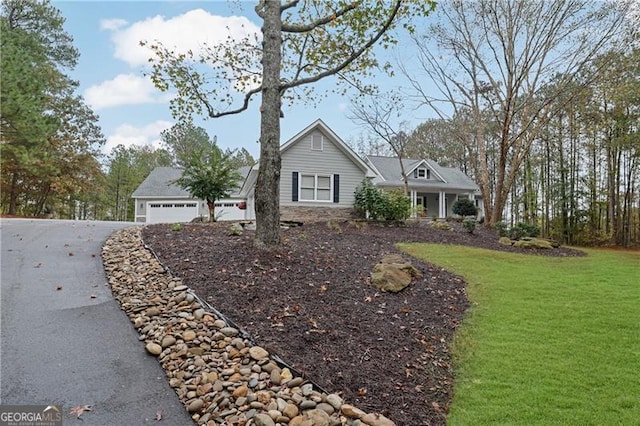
column 336, row 188
column 294, row 186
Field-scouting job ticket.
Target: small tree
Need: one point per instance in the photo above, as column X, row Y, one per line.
column 210, row 175
column 464, row 207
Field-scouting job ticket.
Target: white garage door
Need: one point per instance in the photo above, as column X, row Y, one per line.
column 171, row 212
column 230, row 210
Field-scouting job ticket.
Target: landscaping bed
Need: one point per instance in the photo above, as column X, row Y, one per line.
column 310, row 301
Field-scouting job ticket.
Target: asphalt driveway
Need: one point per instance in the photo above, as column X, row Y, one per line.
column 64, row 338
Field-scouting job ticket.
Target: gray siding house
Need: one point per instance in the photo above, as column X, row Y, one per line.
column 318, row 178
column 432, row 187
column 159, row 200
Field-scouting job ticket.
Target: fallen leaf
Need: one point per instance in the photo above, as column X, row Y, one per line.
column 79, row 410
column 362, row 392
column 159, row 415
column 58, row 288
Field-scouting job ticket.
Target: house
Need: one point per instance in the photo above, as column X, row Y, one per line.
column 159, row 199
column 433, row 188
column 318, row 178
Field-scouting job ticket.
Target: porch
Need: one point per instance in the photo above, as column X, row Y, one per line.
column 436, row 205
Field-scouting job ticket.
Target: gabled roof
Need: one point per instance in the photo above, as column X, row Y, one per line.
column 388, row 169
column 160, row 183
column 338, row 142
column 249, row 182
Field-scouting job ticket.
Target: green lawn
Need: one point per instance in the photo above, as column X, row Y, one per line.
column 548, row 341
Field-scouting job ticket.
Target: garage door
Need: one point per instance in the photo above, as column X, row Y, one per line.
column 230, row 210
column 171, row 212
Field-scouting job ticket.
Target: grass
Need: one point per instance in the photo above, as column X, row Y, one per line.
column 548, row 341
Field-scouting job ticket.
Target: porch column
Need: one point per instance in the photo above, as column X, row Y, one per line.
column 441, row 206
column 472, row 196
column 414, row 200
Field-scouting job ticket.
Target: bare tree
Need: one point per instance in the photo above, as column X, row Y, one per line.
column 302, row 42
column 496, row 56
column 381, row 114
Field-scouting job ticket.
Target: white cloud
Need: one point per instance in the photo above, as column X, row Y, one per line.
column 129, row 135
column 124, row 89
column 112, row 24
column 342, row 106
column 188, row 31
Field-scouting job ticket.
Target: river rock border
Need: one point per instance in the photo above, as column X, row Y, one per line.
column 217, row 371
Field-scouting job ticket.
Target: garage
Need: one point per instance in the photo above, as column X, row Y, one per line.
column 230, row 209
column 171, row 212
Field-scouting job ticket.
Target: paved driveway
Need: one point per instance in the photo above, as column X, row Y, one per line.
column 64, row 338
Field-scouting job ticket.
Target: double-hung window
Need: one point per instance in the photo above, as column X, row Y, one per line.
column 314, row 187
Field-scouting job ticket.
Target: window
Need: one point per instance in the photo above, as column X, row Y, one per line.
column 422, row 173
column 316, row 142
column 315, row 188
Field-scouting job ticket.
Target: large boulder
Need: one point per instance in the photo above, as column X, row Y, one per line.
column 505, row 241
column 393, row 273
column 533, row 243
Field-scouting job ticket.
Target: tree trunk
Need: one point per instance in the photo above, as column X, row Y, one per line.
column 13, row 194
column 212, row 210
column 268, row 183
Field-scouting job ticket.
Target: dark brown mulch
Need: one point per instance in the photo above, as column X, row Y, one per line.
column 310, row 302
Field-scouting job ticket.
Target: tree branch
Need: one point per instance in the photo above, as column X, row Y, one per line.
column 289, row 5
column 303, row 28
column 245, row 104
column 351, row 57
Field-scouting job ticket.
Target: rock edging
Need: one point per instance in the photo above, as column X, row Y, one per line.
column 217, row 372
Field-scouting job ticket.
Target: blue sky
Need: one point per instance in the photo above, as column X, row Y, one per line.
column 132, row 111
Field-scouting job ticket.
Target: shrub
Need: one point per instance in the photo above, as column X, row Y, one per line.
column 397, row 206
column 517, row 231
column 176, row 227
column 502, row 228
column 464, row 207
column 381, row 205
column 368, row 200
column 469, row 224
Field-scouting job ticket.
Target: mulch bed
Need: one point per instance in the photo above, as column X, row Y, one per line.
column 310, row 301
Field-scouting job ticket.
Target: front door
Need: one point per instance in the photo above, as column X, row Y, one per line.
column 421, row 208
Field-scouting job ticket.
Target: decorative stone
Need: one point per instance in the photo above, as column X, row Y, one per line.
column 240, row 391
column 352, row 412
column 263, row 420
column 375, row 419
column 189, row 335
column 393, row 273
column 195, row 405
column 258, row 353
column 168, row 341
column 154, row 348
column 335, row 401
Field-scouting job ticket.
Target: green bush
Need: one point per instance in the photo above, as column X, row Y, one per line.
column 502, row 228
column 368, row 200
column 469, row 224
column 517, row 231
column 464, row 207
column 397, row 206
column 381, row 205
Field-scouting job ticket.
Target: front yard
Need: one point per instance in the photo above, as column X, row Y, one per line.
column 548, row 341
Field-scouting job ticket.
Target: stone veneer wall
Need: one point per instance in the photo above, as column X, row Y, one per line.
column 316, row 214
